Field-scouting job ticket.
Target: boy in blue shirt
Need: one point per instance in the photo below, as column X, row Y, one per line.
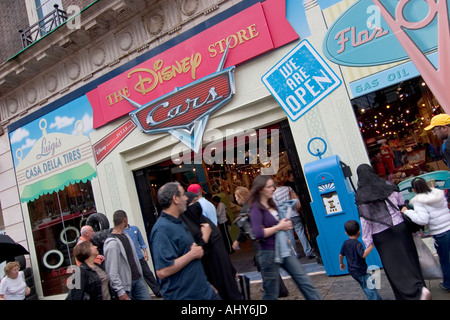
column 354, row 251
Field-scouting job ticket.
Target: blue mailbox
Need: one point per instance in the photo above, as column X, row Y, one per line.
column 333, row 203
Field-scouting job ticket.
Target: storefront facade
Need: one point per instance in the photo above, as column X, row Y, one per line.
column 392, row 96
column 106, row 156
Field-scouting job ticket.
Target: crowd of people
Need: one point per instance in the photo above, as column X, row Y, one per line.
column 190, row 243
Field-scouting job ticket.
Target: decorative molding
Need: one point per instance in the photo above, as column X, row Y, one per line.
column 73, row 71
column 155, row 24
column 125, row 40
column 13, row 106
column 51, row 83
column 75, row 57
column 189, row 7
column 31, row 95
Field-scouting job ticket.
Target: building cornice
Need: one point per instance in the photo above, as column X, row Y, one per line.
column 111, row 34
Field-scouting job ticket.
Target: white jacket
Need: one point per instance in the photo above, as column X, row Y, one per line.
column 431, row 208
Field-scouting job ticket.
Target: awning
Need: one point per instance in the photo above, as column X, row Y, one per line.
column 58, row 182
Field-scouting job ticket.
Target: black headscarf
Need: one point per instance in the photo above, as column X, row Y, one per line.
column 371, row 187
column 371, row 196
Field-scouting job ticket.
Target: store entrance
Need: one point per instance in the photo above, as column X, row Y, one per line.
column 392, row 122
column 256, row 150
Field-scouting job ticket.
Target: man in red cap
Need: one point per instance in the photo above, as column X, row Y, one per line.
column 208, row 208
column 440, row 126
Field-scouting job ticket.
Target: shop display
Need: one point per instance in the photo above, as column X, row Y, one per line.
column 57, row 219
column 392, row 122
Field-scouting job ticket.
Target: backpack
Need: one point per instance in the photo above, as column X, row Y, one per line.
column 99, row 237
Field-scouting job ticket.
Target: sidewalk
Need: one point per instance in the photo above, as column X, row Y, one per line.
column 339, row 287
column 331, row 287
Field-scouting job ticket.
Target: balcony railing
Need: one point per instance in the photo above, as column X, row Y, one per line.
column 43, row 26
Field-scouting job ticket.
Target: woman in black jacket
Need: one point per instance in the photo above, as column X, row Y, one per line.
column 217, row 264
column 93, row 281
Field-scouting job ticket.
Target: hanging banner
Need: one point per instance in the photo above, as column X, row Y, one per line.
column 106, row 145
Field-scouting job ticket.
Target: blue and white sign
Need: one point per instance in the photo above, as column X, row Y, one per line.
column 300, row 80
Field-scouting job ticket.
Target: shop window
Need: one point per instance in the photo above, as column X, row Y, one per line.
column 56, row 220
column 392, row 122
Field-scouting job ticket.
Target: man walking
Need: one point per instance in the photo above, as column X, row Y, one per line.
column 141, row 249
column 175, row 253
column 208, row 209
column 122, row 263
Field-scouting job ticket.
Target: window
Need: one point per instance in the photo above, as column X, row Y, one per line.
column 44, row 7
column 56, row 220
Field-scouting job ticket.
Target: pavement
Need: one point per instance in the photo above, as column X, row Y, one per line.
column 342, row 287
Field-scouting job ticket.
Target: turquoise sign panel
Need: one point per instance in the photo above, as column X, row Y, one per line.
column 300, row 80
column 361, row 37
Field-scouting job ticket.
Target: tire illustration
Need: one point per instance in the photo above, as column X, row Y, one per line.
column 65, row 240
column 47, row 255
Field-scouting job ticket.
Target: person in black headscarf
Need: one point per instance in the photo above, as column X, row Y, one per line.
column 379, row 203
column 217, row 264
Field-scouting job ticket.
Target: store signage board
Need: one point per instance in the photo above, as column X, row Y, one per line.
column 250, row 33
column 361, row 37
column 185, row 111
column 428, row 15
column 300, row 80
column 390, row 31
column 386, row 78
column 54, row 161
column 54, row 150
column 106, row 145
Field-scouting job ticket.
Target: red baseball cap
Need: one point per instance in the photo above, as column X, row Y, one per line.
column 194, row 188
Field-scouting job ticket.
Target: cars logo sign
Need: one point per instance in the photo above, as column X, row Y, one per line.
column 185, row 111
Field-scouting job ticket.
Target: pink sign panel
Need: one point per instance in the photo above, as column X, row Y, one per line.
column 104, row 147
column 250, row 33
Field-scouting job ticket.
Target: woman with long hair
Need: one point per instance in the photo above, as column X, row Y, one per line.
column 382, row 224
column 431, row 208
column 266, row 223
column 242, row 196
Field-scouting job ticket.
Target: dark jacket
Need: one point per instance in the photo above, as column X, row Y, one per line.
column 90, row 285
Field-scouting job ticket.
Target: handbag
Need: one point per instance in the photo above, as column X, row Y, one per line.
column 411, row 225
column 430, row 266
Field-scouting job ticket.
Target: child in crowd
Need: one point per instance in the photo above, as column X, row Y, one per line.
column 354, row 251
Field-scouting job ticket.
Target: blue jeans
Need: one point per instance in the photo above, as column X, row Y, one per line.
column 371, row 294
column 442, row 245
column 139, row 290
column 300, row 231
column 270, row 274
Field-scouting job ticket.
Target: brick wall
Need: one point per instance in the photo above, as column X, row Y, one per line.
column 81, row 3
column 13, row 17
